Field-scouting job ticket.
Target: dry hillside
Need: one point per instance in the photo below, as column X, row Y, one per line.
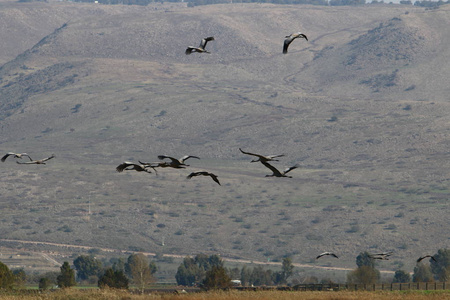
column 362, row 107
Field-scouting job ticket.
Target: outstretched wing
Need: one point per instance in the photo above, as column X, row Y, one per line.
column 301, row 35
column 290, row 38
column 193, row 174
column 24, row 154
column 423, row 257
column 6, row 156
column 187, row 157
column 214, row 177
column 254, row 154
column 291, row 168
column 123, row 166
column 174, row 160
column 286, row 44
column 189, row 50
column 326, row 253
column 26, row 163
column 48, row 158
column 205, row 41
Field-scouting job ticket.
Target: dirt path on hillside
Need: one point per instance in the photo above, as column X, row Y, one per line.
column 246, row 261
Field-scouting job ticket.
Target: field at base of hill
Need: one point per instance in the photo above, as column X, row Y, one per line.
column 228, row 295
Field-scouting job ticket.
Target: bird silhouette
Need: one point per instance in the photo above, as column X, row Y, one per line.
column 36, row 162
column 16, row 155
column 203, row 173
column 127, row 166
column 326, row 253
column 177, row 163
column 276, row 172
column 425, row 256
column 290, row 38
column 201, row 47
column 262, row 157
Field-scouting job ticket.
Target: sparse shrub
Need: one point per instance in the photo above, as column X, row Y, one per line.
column 65, row 228
column 391, row 227
column 313, row 237
column 333, row 119
column 403, row 246
column 353, row 229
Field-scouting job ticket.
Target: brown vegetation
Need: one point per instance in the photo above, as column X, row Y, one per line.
column 108, row 294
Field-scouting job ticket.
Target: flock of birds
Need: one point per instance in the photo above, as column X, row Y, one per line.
column 171, row 162
column 202, row 47
column 180, row 164
column 31, row 162
column 381, row 256
column 261, row 158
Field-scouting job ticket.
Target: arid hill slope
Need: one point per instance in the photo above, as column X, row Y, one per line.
column 362, row 107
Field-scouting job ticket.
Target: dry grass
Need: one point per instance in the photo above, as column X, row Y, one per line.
column 231, row 295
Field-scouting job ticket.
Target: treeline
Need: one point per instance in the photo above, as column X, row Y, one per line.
column 431, row 4
column 197, row 271
column 209, row 272
column 438, row 269
column 86, row 269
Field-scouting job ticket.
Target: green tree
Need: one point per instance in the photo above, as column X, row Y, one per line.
column 422, row 273
column 401, row 276
column 118, row 264
column 217, row 278
column 20, row 277
column 45, row 283
column 87, row 266
column 363, row 259
column 287, row 268
column 67, row 276
column 138, row 268
column 246, row 275
column 214, row 261
column 153, row 267
column 261, row 277
column 113, row 279
column 6, row 277
column 189, row 273
column 193, row 270
column 363, row 275
column 441, row 267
